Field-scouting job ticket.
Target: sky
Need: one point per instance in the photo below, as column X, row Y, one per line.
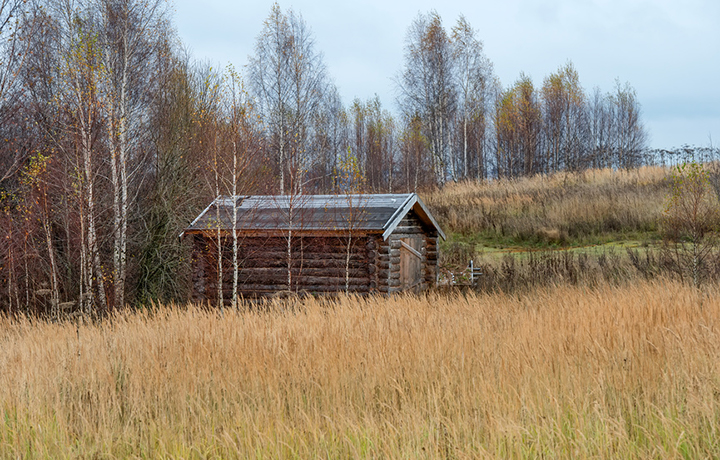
column 668, row 50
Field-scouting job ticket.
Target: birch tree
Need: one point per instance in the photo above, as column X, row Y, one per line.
column 426, row 87
column 566, row 124
column 517, row 122
column 244, row 147
column 130, row 48
column 351, row 183
column 630, row 135
column 473, row 74
column 82, row 72
column 18, row 25
column 288, row 79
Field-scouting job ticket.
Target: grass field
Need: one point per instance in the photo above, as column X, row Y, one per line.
column 566, row 210
column 630, row 371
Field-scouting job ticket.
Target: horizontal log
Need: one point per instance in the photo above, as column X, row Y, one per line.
column 408, row 232
column 389, row 274
column 338, row 289
column 297, row 263
column 395, row 252
column 340, row 271
column 299, row 280
column 298, row 254
column 250, row 290
column 304, row 283
column 409, row 218
column 294, row 269
column 340, row 253
column 326, row 280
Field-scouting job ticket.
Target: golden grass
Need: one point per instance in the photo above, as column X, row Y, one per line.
column 569, row 372
column 554, row 208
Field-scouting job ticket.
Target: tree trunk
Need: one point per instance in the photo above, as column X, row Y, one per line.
column 54, row 294
column 236, row 268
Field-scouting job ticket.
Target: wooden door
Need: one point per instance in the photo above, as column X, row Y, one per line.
column 412, row 273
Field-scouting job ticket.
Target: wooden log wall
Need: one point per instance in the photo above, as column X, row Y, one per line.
column 373, row 254
column 385, row 264
column 199, row 268
column 431, row 255
column 317, row 264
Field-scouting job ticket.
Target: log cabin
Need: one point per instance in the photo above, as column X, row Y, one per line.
column 384, row 243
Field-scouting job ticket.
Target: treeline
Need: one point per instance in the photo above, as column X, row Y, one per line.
column 113, row 139
column 465, row 125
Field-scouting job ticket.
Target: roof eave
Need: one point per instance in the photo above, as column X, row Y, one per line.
column 192, row 224
column 425, row 215
column 398, row 215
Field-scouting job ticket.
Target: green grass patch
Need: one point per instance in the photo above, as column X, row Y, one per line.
column 459, row 249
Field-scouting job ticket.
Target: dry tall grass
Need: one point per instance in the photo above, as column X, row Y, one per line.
column 570, row 372
column 557, row 208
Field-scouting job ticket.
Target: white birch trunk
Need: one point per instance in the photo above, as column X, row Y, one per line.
column 86, row 287
column 465, row 145
column 117, row 218
column 54, row 294
column 219, row 239
column 289, row 248
column 234, row 229
column 91, row 229
column 123, row 144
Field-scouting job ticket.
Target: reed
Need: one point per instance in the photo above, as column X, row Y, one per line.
column 612, row 371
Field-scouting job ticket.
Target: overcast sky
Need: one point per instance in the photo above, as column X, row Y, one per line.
column 668, row 50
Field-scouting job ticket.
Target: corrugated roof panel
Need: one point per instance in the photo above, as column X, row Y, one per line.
column 305, row 212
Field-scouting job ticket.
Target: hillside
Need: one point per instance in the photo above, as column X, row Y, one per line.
column 562, row 210
column 600, row 223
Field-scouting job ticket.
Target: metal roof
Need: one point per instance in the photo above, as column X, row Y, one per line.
column 307, row 213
